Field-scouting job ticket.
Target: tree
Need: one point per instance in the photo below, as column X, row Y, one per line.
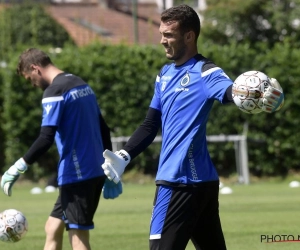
column 29, row 24
column 252, row 21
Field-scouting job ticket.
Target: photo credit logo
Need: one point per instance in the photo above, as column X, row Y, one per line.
column 279, row 238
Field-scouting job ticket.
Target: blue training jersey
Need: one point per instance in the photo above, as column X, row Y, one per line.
column 70, row 105
column 185, row 95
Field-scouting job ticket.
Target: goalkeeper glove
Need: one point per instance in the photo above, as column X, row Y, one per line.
column 112, row 190
column 12, row 175
column 273, row 98
column 114, row 164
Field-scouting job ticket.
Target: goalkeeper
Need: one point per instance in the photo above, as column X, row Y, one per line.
column 186, row 204
column 72, row 118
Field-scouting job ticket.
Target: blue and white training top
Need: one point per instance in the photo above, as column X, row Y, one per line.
column 70, row 105
column 184, row 95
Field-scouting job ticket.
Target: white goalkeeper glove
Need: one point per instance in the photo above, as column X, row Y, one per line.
column 273, row 98
column 12, row 175
column 115, row 163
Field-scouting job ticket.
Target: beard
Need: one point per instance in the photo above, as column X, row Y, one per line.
column 43, row 84
column 40, row 83
column 178, row 52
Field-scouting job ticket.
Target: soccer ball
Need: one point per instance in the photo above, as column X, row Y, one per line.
column 13, row 225
column 248, row 90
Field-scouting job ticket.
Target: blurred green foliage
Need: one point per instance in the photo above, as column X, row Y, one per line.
column 252, row 21
column 272, row 138
column 258, row 35
column 29, row 23
column 123, row 80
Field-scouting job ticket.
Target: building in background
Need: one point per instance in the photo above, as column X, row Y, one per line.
column 111, row 21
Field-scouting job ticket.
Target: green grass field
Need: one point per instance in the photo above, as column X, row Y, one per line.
column 269, row 208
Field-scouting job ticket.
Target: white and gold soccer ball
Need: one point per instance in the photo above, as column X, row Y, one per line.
column 248, row 90
column 13, row 225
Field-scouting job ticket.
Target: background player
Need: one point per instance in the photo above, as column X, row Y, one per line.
column 186, row 200
column 72, row 117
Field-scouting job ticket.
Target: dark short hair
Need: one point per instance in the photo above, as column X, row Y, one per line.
column 32, row 56
column 186, row 16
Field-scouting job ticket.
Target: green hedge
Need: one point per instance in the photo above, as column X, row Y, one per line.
column 123, row 79
column 272, row 138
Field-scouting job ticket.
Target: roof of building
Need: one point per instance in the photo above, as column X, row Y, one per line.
column 89, row 22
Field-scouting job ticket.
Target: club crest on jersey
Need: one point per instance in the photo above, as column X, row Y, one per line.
column 185, row 80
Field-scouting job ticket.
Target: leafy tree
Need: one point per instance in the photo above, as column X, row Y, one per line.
column 192, row 3
column 28, row 23
column 252, row 21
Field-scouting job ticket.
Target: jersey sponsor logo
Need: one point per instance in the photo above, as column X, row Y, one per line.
column 185, row 80
column 181, row 89
column 48, row 108
column 78, row 93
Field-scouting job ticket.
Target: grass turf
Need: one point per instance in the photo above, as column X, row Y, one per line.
column 267, row 208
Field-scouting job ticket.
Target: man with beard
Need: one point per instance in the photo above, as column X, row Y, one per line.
column 71, row 117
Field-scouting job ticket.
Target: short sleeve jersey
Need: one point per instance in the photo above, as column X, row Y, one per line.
column 70, row 105
column 185, row 95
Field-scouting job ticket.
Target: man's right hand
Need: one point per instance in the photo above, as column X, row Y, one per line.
column 114, row 164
